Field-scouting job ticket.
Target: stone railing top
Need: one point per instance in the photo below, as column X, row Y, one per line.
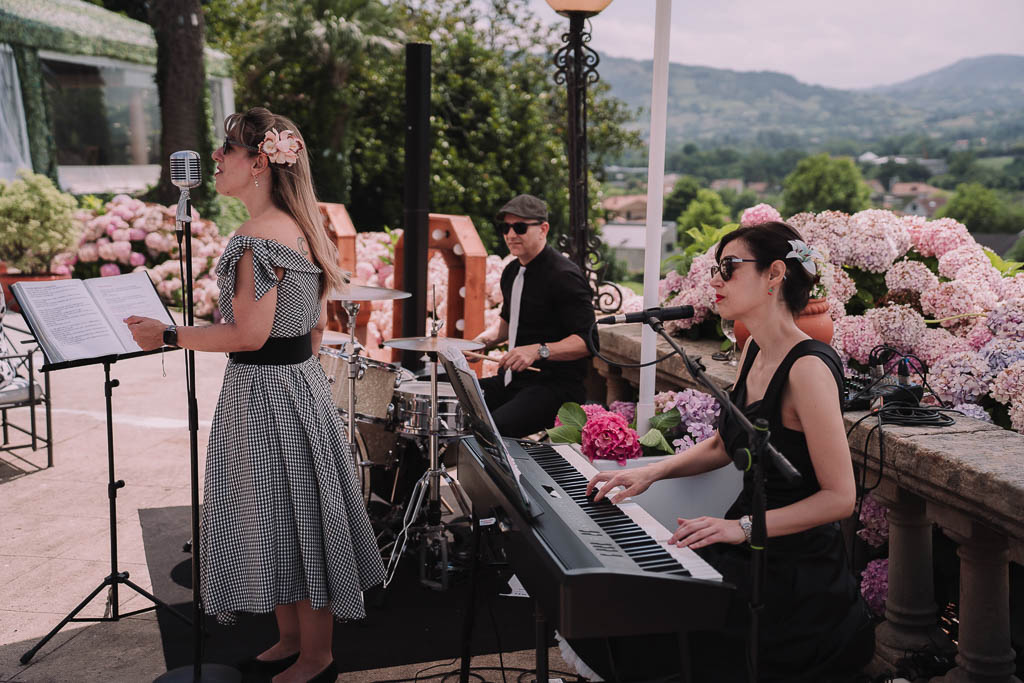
column 972, row 467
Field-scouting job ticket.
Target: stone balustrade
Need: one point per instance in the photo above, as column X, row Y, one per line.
column 968, row 479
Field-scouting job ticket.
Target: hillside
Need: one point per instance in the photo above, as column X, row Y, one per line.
column 981, row 96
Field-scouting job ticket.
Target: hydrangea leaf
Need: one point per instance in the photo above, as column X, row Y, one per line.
column 654, row 443
column 564, row 434
column 572, row 415
column 666, row 421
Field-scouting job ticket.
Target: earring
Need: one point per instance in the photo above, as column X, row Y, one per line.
column 771, row 290
column 256, row 181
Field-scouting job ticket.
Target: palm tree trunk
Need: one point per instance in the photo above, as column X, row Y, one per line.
column 181, row 82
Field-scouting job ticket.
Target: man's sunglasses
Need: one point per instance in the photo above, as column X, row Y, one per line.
column 519, row 226
column 728, row 265
column 229, row 143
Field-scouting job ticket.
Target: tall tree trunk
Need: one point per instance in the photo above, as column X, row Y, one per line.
column 181, row 82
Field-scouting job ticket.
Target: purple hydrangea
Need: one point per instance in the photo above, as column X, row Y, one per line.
column 875, row 520
column 624, row 408
column 874, row 585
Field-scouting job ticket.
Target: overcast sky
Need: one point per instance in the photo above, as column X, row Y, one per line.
column 846, row 44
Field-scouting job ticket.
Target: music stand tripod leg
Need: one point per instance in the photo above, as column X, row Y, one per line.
column 115, row 577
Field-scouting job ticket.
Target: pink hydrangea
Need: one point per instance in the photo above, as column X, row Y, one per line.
column 109, row 270
column 670, row 285
column 122, row 251
column 608, row 435
column 910, row 275
column 956, row 297
column 761, row 213
column 136, row 259
column 984, row 274
column 960, row 377
column 87, row 253
column 1008, row 385
column 876, row 239
column 899, row 326
column 854, row 336
column 1007, row 319
column 976, row 332
column 936, row 343
column 626, row 409
column 1017, row 415
column 935, row 238
column 955, row 259
column 697, row 292
column 828, row 230
column 1011, row 287
column 839, row 285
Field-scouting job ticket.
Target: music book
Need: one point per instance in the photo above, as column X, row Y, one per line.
column 76, row 319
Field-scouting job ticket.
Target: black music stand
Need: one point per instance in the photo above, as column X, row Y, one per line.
column 116, row 577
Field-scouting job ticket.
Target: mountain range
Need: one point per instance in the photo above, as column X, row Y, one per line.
column 980, row 96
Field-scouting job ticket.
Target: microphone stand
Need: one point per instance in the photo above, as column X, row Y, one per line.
column 750, row 458
column 198, row 672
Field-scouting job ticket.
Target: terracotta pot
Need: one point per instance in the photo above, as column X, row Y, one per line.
column 8, row 279
column 814, row 321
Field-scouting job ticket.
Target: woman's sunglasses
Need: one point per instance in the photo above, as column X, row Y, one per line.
column 728, row 265
column 229, row 143
column 519, row 226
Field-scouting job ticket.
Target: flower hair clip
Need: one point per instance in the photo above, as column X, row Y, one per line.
column 807, row 255
column 281, row 147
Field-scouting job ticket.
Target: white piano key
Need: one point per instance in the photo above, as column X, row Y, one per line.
column 690, row 560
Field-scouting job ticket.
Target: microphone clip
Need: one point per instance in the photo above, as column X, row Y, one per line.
column 184, row 213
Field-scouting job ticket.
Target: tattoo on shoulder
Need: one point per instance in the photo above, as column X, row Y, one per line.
column 303, row 246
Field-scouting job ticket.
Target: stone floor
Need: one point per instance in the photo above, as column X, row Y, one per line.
column 54, row 526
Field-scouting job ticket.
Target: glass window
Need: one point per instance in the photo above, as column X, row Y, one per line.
column 14, row 152
column 103, row 112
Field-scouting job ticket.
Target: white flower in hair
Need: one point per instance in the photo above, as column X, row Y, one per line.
column 807, row 255
column 281, row 147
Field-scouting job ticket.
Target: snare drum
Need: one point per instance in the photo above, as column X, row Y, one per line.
column 375, row 383
column 412, row 410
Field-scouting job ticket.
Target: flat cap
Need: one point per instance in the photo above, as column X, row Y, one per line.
column 525, row 206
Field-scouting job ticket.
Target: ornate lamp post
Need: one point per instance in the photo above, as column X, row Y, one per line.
column 576, row 66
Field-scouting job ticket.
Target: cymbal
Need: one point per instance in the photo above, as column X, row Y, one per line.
column 433, row 344
column 334, row 338
column 367, row 293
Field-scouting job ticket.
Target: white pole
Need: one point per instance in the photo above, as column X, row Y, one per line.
column 655, row 199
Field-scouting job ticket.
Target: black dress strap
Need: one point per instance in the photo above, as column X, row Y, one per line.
column 807, row 347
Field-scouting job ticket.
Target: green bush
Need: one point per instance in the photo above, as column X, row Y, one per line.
column 35, row 222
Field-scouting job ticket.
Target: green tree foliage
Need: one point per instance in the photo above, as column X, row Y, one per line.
column 706, row 209
column 683, row 192
column 982, row 210
column 821, row 183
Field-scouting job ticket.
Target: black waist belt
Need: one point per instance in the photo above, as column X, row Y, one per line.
column 278, row 351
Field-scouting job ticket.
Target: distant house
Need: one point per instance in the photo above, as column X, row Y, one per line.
column 877, row 190
column 79, row 99
column 735, row 184
column 999, row 242
column 758, row 187
column 625, row 208
column 629, row 240
column 925, row 206
column 913, row 190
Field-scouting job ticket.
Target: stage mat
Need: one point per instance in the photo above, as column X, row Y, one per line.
column 405, row 624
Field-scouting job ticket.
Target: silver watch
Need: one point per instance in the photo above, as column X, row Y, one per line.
column 748, row 527
column 544, row 352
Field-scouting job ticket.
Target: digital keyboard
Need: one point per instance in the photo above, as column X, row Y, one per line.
column 595, row 569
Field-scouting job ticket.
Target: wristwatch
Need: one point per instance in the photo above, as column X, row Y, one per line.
column 171, row 335
column 747, row 526
column 544, row 352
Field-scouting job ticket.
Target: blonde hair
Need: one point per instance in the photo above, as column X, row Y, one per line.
column 292, row 189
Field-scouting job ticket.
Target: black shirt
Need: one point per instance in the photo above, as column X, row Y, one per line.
column 557, row 302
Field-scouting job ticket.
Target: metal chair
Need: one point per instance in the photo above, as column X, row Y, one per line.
column 24, row 391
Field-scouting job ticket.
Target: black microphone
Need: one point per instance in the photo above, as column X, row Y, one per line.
column 662, row 314
column 184, row 175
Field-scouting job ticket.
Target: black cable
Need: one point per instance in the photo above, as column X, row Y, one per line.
column 593, row 348
column 497, row 638
column 444, row 675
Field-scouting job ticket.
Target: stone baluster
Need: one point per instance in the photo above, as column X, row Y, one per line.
column 984, row 652
column 911, row 616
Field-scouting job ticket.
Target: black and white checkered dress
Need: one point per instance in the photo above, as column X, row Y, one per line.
column 283, row 519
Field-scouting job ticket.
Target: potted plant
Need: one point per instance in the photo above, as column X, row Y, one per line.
column 35, row 226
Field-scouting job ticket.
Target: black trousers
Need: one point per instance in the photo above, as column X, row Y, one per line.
column 527, row 406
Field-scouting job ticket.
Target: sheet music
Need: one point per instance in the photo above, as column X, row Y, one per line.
column 68, row 323
column 124, row 295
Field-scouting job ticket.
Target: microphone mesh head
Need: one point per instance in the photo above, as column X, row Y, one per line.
column 185, row 169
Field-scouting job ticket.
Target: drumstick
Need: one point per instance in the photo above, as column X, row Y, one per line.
column 480, row 356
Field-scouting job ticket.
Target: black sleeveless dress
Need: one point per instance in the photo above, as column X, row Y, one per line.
column 813, row 610
column 814, row 623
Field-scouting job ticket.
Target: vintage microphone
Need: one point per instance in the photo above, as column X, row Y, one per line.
column 185, row 174
column 662, row 314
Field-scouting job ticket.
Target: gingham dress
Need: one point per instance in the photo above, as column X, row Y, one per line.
column 283, row 519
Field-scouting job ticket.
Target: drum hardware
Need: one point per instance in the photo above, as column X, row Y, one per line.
column 431, row 534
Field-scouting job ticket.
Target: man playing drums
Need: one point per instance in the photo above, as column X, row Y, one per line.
column 546, row 315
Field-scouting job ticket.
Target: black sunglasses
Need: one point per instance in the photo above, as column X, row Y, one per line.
column 229, row 143
column 519, row 226
column 728, row 265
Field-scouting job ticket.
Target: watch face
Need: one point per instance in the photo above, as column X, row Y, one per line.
column 544, row 351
